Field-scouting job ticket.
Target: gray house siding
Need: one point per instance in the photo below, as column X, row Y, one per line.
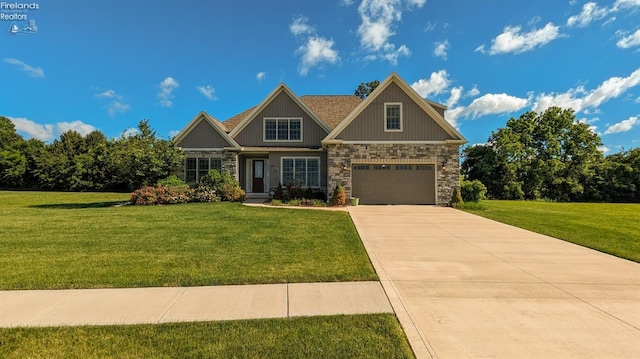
column 203, row 136
column 417, row 125
column 282, row 106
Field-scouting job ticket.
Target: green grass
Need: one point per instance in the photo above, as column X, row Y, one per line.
column 357, row 336
column 607, row 227
column 53, row 240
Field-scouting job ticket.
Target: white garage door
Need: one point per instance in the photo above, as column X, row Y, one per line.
column 394, row 183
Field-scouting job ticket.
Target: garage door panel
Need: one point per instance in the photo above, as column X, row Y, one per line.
column 394, row 184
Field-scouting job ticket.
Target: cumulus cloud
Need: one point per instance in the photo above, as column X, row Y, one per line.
column 46, row 132
column 378, row 18
column 441, row 49
column 579, row 99
column 493, row 104
column 116, row 105
column 167, row 86
column 628, row 41
column 622, row 126
column 473, row 92
column 261, row 76
column 315, row 50
column 604, row 149
column 590, row 12
column 437, row 83
column 30, row 70
column 130, row 132
column 208, row 92
column 456, row 94
column 512, row 40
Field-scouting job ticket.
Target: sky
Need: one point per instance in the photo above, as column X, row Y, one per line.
column 84, row 65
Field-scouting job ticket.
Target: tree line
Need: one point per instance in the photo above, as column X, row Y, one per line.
column 85, row 163
column 551, row 156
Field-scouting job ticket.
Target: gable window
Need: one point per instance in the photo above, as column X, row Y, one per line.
column 393, row 117
column 283, row 129
column 302, row 171
column 196, row 168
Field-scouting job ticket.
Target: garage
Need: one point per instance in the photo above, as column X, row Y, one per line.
column 394, row 183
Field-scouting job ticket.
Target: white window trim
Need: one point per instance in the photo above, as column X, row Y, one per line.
column 306, row 171
column 264, row 128
column 386, row 104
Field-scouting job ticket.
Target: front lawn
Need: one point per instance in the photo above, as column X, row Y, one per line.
column 354, row 336
column 608, row 227
column 53, row 240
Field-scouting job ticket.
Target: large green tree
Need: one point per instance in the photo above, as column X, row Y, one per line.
column 13, row 163
column 143, row 158
column 538, row 155
column 365, row 89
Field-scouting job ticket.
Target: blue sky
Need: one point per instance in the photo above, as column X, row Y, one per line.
column 108, row 64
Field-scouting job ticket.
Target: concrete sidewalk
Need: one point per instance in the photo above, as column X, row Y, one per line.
column 464, row 286
column 162, row 305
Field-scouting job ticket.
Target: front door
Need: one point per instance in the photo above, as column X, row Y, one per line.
column 258, row 176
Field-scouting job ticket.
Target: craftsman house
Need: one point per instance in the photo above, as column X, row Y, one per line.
column 394, row 147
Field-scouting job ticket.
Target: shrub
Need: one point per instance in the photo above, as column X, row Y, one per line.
column 472, row 191
column 293, row 202
column 276, row 202
column 203, row 193
column 213, row 179
column 294, row 191
column 150, row 195
column 319, row 203
column 171, row 181
column 456, row 198
column 339, row 196
column 279, row 193
column 232, row 192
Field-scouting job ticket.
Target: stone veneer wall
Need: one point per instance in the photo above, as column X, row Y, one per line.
column 229, row 161
column 341, row 157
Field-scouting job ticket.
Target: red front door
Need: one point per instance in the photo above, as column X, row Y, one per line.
column 258, row 176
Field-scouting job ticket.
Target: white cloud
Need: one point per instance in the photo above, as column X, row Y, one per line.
column 261, row 76
column 622, row 126
column 610, row 88
column 117, row 106
column 32, row 129
column 513, row 41
column 456, row 94
column 46, row 132
column 208, row 92
column 32, row 71
column 480, row 49
column 166, row 91
column 315, row 50
column 441, row 49
column 604, row 149
column 452, row 115
column 173, row 133
column 437, row 83
column 629, row 41
column 625, row 4
column 78, row 126
column 108, row 94
column 299, row 26
column 590, row 12
column 130, row 132
column 491, row 104
column 473, row 92
column 377, row 27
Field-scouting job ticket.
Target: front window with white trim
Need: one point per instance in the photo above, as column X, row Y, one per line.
column 301, row 171
column 282, row 129
column 393, row 117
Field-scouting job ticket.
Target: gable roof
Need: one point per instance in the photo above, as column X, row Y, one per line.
column 256, row 110
column 234, row 121
column 215, row 124
column 425, row 105
column 332, row 109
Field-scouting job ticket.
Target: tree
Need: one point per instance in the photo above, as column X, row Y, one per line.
column 13, row 163
column 365, row 89
column 538, row 155
column 143, row 159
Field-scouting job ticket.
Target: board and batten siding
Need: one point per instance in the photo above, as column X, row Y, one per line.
column 417, row 125
column 282, row 106
column 203, row 136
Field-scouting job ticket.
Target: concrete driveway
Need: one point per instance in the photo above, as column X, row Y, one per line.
column 464, row 286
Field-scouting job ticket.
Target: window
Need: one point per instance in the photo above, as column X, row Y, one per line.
column 196, row 168
column 404, row 167
column 424, row 167
column 283, row 129
column 393, row 117
column 360, row 167
column 303, row 171
column 381, row 167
